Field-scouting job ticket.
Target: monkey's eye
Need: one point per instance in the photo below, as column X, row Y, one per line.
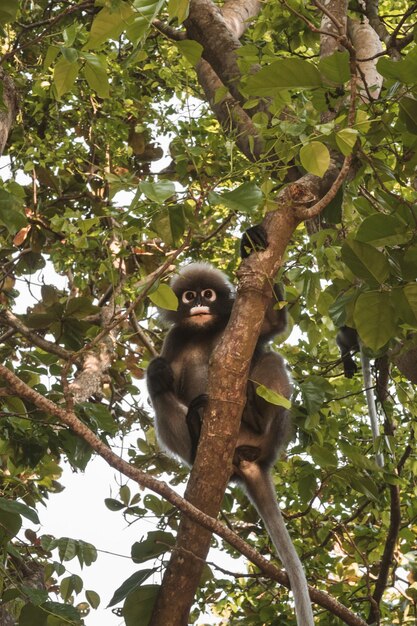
column 209, row 294
column 188, row 296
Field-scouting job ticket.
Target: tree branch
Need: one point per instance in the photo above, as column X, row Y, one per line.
column 69, row 418
column 11, row 320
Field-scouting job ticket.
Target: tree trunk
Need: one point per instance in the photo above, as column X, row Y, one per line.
column 7, row 114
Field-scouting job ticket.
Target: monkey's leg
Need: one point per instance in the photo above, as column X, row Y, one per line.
column 194, row 420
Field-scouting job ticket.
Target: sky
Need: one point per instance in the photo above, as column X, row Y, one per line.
column 79, row 512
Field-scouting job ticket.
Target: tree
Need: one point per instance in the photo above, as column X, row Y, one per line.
column 301, row 116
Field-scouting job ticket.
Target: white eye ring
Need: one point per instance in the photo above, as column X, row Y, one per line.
column 209, row 294
column 188, row 296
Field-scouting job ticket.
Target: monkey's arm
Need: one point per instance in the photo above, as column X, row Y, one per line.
column 276, row 318
column 170, row 412
column 253, row 239
column 275, row 321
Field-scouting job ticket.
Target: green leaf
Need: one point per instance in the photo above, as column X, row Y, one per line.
column 31, row 615
column 80, row 307
column 11, row 506
column 101, row 416
column 365, row 262
column 67, row 548
column 365, row 485
column 130, row 584
column 156, row 543
column 157, row 505
column 178, row 10
column 314, row 391
column 383, row 230
column 70, row 54
column 50, row 56
column 64, row 75
column 8, row 11
column 307, row 485
column 10, row 216
column 273, row 397
column 335, row 67
column 409, row 263
column 114, row 505
column 191, row 50
column 404, row 71
column 70, row 585
column 159, row 191
column 93, row 598
column 65, row 614
column 323, row 456
column 145, row 12
column 315, row 158
column 375, row 319
column 164, row 298
column 284, row 74
column 109, row 23
column 346, row 140
column 356, row 456
column 404, row 300
column 169, row 224
column 35, row 596
column 15, row 405
column 125, row 495
column 139, row 604
column 408, row 113
column 86, row 553
column 95, row 72
column 10, row 525
column 246, row 198
column 332, row 213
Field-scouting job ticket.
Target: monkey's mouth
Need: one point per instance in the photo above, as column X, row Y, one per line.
column 199, row 311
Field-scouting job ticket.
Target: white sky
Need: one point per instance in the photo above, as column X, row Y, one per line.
column 79, row 512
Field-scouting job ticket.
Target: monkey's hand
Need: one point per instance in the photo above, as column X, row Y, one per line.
column 159, row 376
column 194, row 419
column 254, row 238
column 349, row 366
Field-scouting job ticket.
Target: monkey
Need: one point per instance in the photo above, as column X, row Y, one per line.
column 349, row 342
column 177, row 385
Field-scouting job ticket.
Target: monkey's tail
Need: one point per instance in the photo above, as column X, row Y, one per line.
column 261, row 491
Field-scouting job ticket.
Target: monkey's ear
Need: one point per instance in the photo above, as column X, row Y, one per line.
column 253, row 239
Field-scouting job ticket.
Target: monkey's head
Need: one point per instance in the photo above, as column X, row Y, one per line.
column 205, row 297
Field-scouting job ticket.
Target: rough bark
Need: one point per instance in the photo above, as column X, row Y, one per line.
column 368, row 46
column 218, row 31
column 7, row 116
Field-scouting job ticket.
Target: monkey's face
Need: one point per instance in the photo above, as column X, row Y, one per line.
column 198, row 307
column 205, row 299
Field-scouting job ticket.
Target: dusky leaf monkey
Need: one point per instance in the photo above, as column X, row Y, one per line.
column 177, row 383
column 349, row 343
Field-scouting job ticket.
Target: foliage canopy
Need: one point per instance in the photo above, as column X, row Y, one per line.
column 127, row 155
